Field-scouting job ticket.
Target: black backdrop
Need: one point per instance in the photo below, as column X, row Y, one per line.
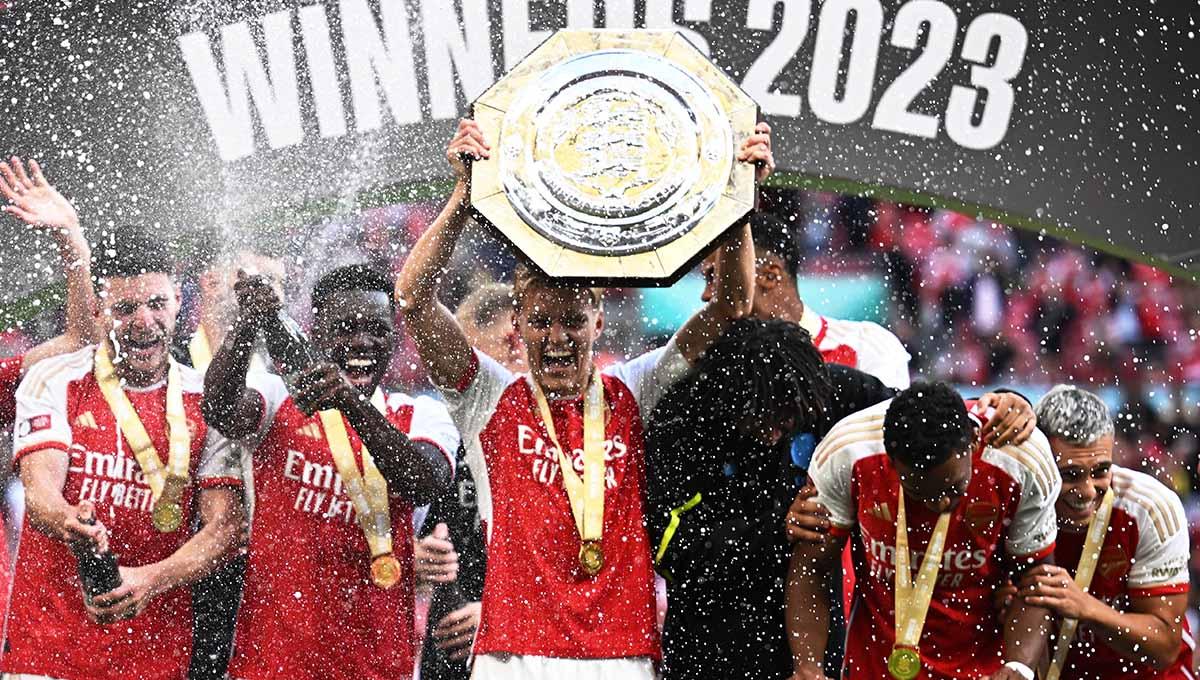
column 1077, row 118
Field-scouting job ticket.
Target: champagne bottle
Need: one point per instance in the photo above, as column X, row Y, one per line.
column 288, row 346
column 98, row 572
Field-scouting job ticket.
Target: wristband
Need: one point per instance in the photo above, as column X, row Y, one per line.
column 1024, row 671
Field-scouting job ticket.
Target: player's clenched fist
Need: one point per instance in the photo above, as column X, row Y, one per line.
column 467, row 145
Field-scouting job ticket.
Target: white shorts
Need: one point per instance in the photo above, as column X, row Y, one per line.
column 24, row 676
column 511, row 667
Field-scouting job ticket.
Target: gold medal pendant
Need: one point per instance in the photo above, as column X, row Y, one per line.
column 385, row 571
column 167, row 516
column 167, row 513
column 904, row 663
column 591, row 557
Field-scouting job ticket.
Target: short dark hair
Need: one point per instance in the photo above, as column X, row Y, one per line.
column 352, row 277
column 778, row 238
column 927, row 424
column 130, row 250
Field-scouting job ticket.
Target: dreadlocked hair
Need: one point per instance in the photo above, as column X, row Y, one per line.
column 757, row 369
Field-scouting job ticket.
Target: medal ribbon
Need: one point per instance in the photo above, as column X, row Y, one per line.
column 1088, row 560
column 180, row 449
column 587, row 494
column 367, row 489
column 912, row 601
column 199, row 350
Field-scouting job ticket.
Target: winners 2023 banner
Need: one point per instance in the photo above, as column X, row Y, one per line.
column 1076, row 118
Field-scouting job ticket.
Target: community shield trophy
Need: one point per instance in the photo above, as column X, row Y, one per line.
column 614, row 156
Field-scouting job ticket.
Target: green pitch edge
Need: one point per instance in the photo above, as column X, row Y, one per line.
column 25, row 308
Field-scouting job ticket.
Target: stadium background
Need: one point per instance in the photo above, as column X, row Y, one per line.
column 975, row 302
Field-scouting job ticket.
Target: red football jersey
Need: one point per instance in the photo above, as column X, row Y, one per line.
column 1145, row 554
column 309, row 609
column 537, row 600
column 10, row 376
column 60, row 407
column 1008, row 512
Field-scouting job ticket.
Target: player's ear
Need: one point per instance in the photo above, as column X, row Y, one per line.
column 768, row 274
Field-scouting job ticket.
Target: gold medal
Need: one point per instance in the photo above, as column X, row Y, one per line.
column 904, row 663
column 385, row 571
column 167, row 516
column 591, row 557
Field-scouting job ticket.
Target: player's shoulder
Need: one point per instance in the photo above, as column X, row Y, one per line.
column 852, row 438
column 1152, row 504
column 421, row 402
column 862, row 335
column 1030, row 462
column 629, row 372
column 57, row 371
column 191, row 380
column 266, row 383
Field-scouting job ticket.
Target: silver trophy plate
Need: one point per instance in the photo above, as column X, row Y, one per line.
column 614, row 147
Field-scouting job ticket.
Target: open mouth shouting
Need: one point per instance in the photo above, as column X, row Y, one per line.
column 559, row 362
column 142, row 351
column 362, row 369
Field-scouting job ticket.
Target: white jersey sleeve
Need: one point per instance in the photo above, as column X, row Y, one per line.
column 650, row 375
column 431, row 423
column 221, row 462
column 42, row 411
column 881, row 354
column 1034, row 526
column 832, row 468
column 471, row 404
column 1160, row 563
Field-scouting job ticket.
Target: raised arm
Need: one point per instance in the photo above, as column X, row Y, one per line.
column 34, row 201
column 229, row 406
column 734, row 295
column 437, row 335
column 221, row 517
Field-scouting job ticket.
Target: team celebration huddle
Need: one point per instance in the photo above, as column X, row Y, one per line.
column 217, row 479
column 244, row 501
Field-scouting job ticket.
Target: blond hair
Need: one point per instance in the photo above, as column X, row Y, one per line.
column 526, row 276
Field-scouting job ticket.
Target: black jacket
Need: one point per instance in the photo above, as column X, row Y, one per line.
column 725, row 556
